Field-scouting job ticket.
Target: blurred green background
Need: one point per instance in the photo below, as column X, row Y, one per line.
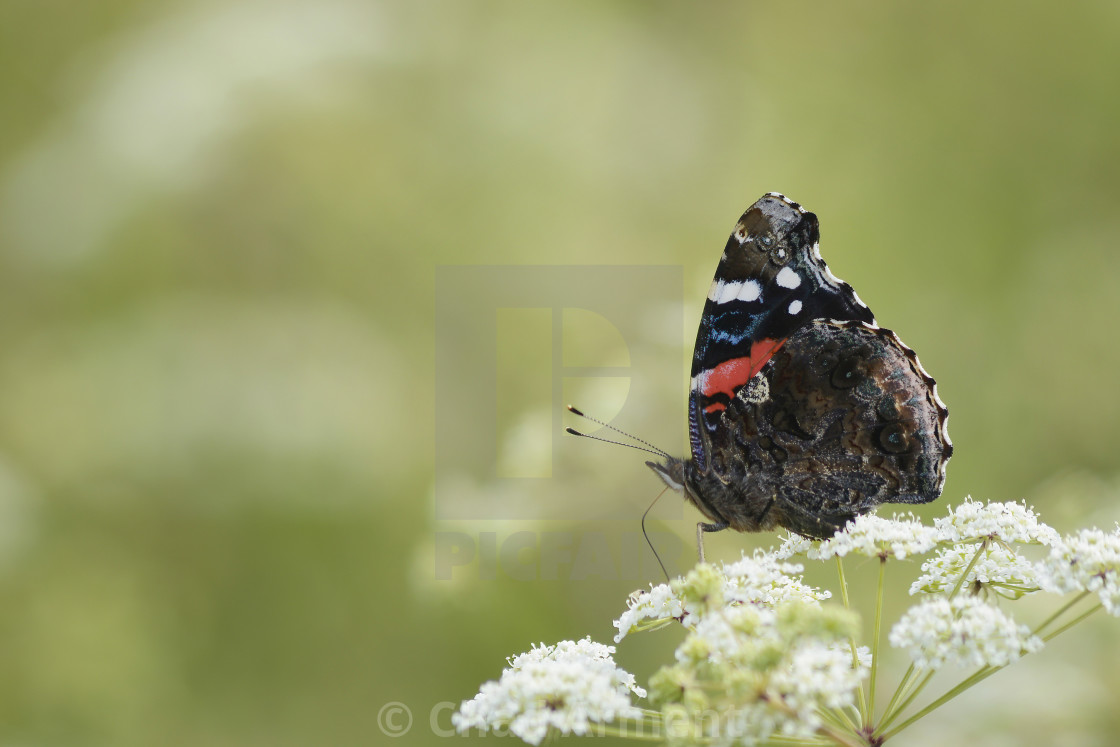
column 220, row 224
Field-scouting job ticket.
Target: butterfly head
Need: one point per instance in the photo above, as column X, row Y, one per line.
column 683, row 476
column 671, row 472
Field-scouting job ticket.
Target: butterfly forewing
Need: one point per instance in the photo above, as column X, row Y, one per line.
column 770, row 282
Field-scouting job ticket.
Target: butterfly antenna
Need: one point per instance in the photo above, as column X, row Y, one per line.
column 651, row 448
column 574, row 432
column 646, row 534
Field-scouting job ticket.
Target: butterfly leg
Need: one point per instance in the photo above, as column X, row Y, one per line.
column 702, row 527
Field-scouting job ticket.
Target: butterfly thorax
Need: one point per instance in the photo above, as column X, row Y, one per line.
column 733, row 499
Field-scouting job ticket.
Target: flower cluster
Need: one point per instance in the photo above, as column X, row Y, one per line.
column 993, row 566
column 766, row 656
column 761, row 578
column 649, row 609
column 1087, row 561
column 566, row 687
column 752, row 671
column 1008, row 522
column 965, row 631
column 876, row 537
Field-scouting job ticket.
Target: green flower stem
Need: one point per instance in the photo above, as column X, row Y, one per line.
column 652, row 625
column 848, row 740
column 839, row 719
column 1072, row 622
column 895, row 707
column 836, row 735
column 975, row 678
column 605, row 730
column 902, row 685
column 890, row 715
column 1065, row 608
column 866, row 714
column 968, row 569
column 875, row 643
column 984, row 672
column 843, row 582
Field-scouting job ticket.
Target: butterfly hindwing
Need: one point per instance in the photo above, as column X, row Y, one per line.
column 841, row 419
column 859, row 422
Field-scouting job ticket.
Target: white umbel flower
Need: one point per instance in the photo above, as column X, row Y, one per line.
column 998, row 568
column 817, row 675
column 758, row 579
column 793, row 544
column 660, row 604
column 877, row 537
column 762, row 671
column 1086, row 561
column 763, row 578
column 564, row 687
column 1010, row 522
column 964, row 632
column 732, row 635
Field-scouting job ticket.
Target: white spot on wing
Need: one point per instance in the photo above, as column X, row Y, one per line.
column 728, row 292
column 794, row 307
column 722, row 291
column 751, row 291
column 787, row 278
column 715, row 289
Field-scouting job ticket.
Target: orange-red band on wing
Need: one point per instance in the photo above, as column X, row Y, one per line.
column 732, row 374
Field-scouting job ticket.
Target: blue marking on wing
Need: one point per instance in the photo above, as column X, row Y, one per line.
column 728, row 335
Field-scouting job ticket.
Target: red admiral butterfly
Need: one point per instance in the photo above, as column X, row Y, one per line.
column 803, row 413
